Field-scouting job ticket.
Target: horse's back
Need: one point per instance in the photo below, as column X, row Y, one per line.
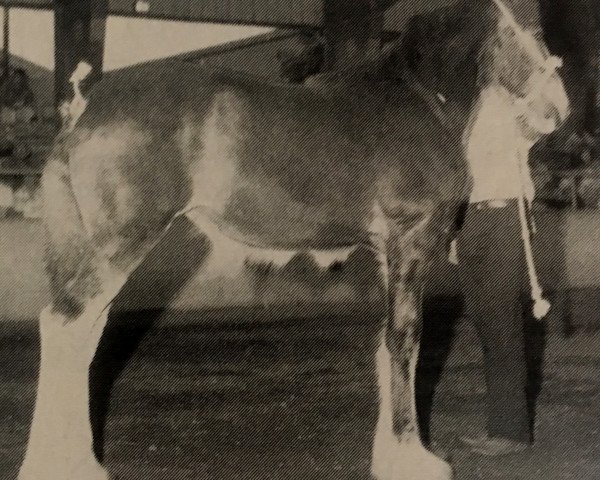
column 159, row 94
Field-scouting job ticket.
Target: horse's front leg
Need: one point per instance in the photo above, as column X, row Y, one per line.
column 398, row 453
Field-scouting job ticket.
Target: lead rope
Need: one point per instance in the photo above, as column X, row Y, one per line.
column 541, row 306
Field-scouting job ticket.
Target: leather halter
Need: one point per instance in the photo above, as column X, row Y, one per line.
column 435, row 101
column 548, row 64
column 551, row 65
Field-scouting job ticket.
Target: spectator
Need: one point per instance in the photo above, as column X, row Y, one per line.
column 6, row 197
column 27, row 198
column 18, row 100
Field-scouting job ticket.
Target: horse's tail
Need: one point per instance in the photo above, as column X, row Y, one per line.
column 70, row 111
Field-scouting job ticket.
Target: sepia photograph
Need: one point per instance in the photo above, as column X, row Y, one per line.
column 300, row 239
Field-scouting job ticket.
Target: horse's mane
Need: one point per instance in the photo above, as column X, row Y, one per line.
column 454, row 50
column 435, row 46
column 441, row 48
column 463, row 47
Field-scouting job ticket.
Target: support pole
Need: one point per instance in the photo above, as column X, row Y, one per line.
column 347, row 30
column 6, row 37
column 79, row 32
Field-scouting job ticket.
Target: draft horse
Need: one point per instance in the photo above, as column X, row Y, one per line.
column 370, row 156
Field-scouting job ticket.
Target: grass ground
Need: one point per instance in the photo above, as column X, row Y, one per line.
column 298, row 401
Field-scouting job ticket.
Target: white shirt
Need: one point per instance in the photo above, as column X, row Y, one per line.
column 498, row 156
column 496, row 150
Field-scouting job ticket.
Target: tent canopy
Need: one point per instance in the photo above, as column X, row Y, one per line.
column 276, row 13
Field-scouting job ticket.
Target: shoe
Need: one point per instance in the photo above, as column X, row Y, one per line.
column 494, row 446
column 438, row 451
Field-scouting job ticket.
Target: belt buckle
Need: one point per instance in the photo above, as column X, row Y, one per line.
column 492, row 204
column 497, row 203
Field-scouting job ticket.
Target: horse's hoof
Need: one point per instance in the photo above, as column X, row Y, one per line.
column 403, row 462
column 93, row 471
column 440, row 452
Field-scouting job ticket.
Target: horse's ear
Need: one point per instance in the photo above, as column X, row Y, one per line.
column 320, row 41
column 393, row 61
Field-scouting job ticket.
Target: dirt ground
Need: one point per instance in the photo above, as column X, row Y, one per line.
column 298, row 400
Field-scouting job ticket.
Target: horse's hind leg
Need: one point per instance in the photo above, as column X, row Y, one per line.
column 398, row 453
column 84, row 280
column 60, row 440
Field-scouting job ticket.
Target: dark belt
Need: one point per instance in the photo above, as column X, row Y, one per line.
column 492, row 204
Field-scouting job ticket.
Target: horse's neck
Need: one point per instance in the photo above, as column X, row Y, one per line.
column 452, row 115
column 365, row 71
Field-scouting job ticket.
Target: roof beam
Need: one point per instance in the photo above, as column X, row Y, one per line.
column 275, row 13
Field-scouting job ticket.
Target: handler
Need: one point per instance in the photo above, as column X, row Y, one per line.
column 493, row 246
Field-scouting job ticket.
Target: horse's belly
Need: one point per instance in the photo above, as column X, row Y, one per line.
column 261, row 212
column 273, row 193
column 254, row 217
column 235, row 245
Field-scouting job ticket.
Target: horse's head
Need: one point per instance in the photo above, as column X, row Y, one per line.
column 302, row 57
column 514, row 57
column 462, row 49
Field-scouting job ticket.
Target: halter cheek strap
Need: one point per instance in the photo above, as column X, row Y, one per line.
column 549, row 68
